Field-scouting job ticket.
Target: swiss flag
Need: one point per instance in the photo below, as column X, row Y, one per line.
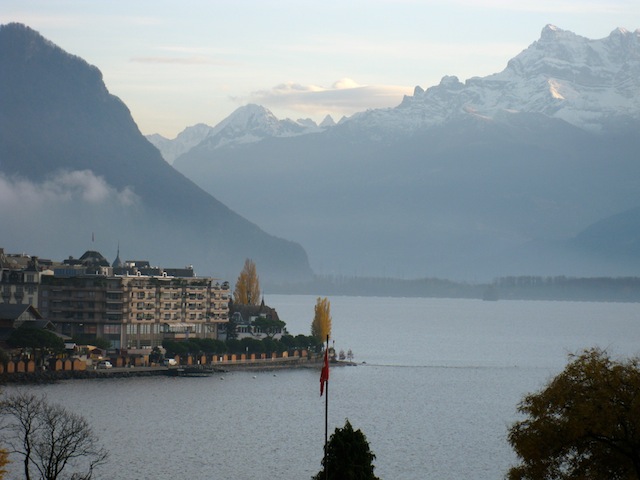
column 324, row 375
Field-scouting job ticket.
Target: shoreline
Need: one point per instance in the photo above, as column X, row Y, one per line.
column 50, row 376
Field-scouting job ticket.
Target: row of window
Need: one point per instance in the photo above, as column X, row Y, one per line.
column 169, row 316
column 157, row 328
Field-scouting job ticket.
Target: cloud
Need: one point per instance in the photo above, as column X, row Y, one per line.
column 60, row 190
column 193, row 60
column 554, row 6
column 344, row 97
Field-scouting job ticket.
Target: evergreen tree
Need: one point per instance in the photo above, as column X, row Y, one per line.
column 348, row 456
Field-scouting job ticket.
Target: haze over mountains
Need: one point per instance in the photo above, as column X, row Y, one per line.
column 532, row 170
column 73, row 165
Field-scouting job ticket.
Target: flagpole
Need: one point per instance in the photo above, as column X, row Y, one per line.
column 326, row 416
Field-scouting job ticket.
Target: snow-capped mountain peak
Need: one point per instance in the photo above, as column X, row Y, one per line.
column 246, row 124
column 251, row 123
column 561, row 75
column 185, row 141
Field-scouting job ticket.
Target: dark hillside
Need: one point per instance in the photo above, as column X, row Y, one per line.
column 56, row 115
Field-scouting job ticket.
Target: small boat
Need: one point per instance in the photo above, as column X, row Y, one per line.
column 193, row 371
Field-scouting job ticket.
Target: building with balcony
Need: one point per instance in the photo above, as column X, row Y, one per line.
column 20, row 277
column 130, row 309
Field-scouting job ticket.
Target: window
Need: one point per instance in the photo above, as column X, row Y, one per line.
column 112, row 329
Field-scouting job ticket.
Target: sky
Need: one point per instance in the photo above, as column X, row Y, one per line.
column 179, row 63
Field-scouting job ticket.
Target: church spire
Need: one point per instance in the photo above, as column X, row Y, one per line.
column 117, row 263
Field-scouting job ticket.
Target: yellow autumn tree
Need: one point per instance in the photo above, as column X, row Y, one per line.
column 247, row 290
column 321, row 325
column 4, row 460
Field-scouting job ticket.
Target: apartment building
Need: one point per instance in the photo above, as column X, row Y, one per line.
column 87, row 298
column 19, row 278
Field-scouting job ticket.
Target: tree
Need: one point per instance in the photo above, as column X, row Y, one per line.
column 251, row 345
column 247, row 291
column 269, row 326
column 173, row 348
column 156, row 355
column 585, row 424
column 49, row 439
column 348, row 456
column 232, row 328
column 321, row 325
column 4, row 460
column 310, row 342
column 36, row 340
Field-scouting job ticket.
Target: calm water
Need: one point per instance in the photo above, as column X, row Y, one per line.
column 435, row 398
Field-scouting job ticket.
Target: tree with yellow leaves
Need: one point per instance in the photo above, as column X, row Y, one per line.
column 247, row 290
column 321, row 325
column 4, row 460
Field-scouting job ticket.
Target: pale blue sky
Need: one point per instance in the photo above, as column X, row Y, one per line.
column 178, row 63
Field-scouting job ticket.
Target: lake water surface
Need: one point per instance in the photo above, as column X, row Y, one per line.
column 435, row 398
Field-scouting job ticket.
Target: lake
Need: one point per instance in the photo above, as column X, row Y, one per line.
column 435, row 398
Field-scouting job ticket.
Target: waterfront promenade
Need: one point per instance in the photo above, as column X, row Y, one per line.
column 25, row 372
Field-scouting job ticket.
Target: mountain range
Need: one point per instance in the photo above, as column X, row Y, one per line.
column 531, row 170
column 77, row 174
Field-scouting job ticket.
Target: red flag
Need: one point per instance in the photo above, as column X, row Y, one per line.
column 324, row 375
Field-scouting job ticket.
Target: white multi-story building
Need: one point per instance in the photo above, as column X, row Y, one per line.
column 130, row 309
column 19, row 279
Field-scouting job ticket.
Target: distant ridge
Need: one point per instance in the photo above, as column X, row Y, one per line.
column 493, row 176
column 248, row 124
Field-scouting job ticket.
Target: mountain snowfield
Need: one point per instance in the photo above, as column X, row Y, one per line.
column 562, row 75
column 247, row 124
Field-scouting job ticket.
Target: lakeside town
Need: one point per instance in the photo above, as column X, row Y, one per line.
column 88, row 316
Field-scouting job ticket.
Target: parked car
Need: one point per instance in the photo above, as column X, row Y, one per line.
column 104, row 364
column 170, row 362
